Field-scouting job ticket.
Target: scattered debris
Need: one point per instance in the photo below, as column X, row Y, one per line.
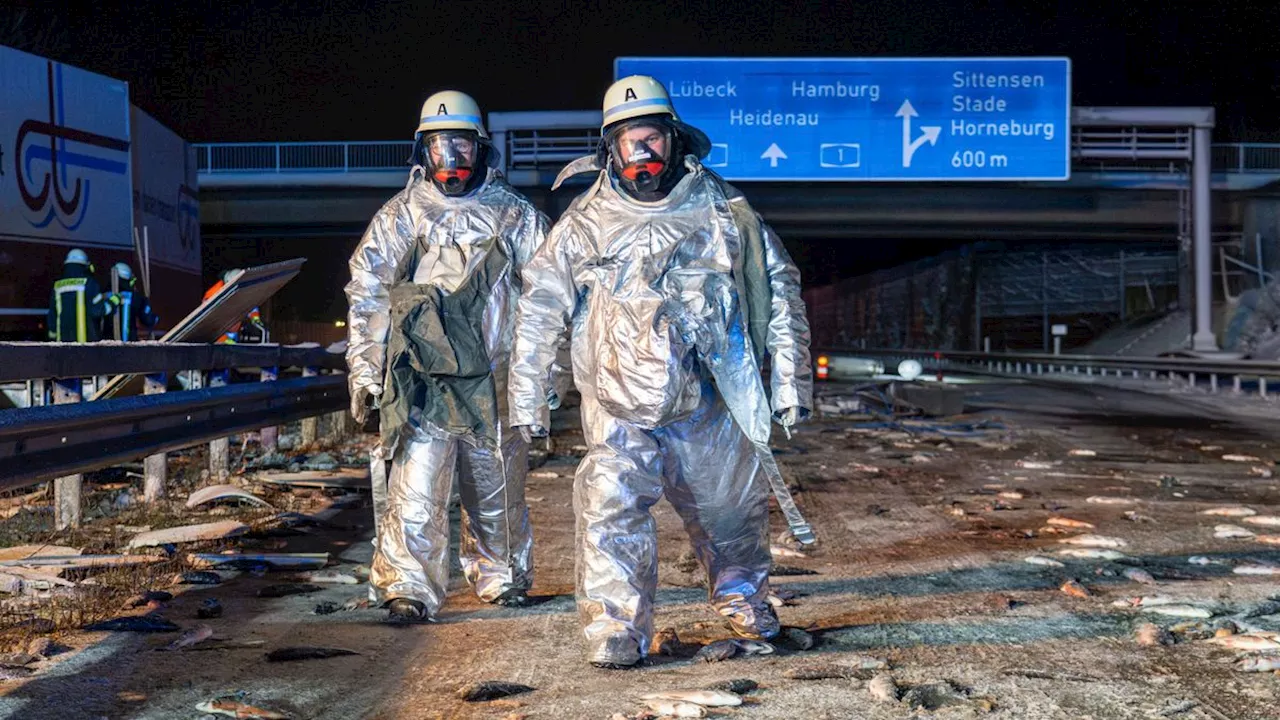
column 1256, row 569
column 1075, row 589
column 1107, row 500
column 706, row 698
column 486, row 690
column 1182, row 611
column 209, row 608
column 1135, row 516
column 1041, row 560
column 239, row 710
column 676, row 709
column 883, row 688
column 1092, row 554
column 793, row 638
column 789, row 570
column 1263, row 520
column 146, row 597
column 1250, row 642
column 717, row 651
column 1150, row 635
column 223, row 492
column 1095, row 541
column 135, row 623
column 1080, row 452
column 1230, row 511
column 1231, row 532
column 189, row 533
column 332, row 577
column 195, row 635
column 286, row 589
column 1241, row 458
column 779, row 551
column 282, row 561
column 818, row 672
column 197, row 577
column 290, row 654
column 1068, row 522
column 1139, row 575
column 1262, row 663
column 738, row 686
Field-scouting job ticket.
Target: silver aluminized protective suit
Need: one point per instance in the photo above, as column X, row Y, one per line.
column 672, row 394
column 412, row 534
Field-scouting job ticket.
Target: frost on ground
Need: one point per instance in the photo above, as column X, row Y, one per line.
column 925, row 527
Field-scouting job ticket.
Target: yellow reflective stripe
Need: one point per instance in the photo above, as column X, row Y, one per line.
column 56, row 331
column 82, row 325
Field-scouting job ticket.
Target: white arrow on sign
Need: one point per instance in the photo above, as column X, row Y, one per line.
column 774, row 154
column 909, row 146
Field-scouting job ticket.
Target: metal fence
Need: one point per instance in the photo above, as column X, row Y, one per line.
column 60, row 433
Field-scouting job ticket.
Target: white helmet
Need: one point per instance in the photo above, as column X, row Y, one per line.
column 451, row 110
column 640, row 96
column 122, row 271
column 76, row 257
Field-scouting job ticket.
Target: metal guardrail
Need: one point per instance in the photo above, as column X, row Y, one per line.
column 1192, row 370
column 55, row 442
column 535, row 149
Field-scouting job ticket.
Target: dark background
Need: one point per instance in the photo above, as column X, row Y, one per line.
column 348, row 70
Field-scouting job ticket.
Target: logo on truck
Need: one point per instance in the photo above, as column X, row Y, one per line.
column 52, row 197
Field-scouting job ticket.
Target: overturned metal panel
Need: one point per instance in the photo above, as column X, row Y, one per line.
column 245, row 290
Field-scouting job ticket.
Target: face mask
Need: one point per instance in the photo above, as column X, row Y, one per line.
column 450, row 159
column 641, row 153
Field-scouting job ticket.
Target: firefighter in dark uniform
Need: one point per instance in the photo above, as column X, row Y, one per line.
column 77, row 304
column 135, row 306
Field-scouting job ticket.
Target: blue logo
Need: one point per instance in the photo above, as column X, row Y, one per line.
column 47, row 197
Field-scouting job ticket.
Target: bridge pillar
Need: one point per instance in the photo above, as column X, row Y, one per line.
column 1202, row 241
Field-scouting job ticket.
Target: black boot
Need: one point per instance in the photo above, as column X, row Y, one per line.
column 514, row 597
column 406, row 610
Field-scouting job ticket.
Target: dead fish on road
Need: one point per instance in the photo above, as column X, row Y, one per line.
column 209, row 608
column 1183, row 611
column 1252, row 569
column 1241, row 458
column 1139, row 576
column 148, row 596
column 705, row 698
column 143, row 623
column 1202, row 560
column 1041, row 560
column 330, row 577
column 1068, row 522
column 1245, row 642
column 197, row 634
column 1230, row 511
column 1264, row 663
column 486, row 690
column 1096, row 541
column 737, row 686
column 818, row 672
column 306, row 653
column 286, row 589
column 779, row 551
column 231, row 708
column 197, row 577
column 726, row 649
column 1092, row 554
column 1109, row 500
column 676, row 709
column 1267, row 539
column 1263, row 520
column 1231, row 532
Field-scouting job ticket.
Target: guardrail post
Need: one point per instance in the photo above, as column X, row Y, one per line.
column 1235, row 384
column 309, row 425
column 220, row 449
column 1262, row 387
column 66, row 490
column 155, row 468
column 268, row 436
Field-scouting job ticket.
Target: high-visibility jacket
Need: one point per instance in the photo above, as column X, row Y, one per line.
column 77, row 306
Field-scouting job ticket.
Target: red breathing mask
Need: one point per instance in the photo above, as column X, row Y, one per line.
column 639, row 164
column 451, row 158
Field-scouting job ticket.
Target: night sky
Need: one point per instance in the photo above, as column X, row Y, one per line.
column 347, row 70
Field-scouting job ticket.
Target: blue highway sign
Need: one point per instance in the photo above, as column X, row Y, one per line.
column 874, row 119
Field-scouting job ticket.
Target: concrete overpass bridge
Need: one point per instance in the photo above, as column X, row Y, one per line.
column 1139, row 174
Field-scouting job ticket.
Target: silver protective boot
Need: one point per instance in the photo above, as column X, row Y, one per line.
column 673, row 311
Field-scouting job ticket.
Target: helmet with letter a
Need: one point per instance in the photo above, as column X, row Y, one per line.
column 643, row 137
column 451, row 143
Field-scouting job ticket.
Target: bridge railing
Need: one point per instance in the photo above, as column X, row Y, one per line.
column 73, row 435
